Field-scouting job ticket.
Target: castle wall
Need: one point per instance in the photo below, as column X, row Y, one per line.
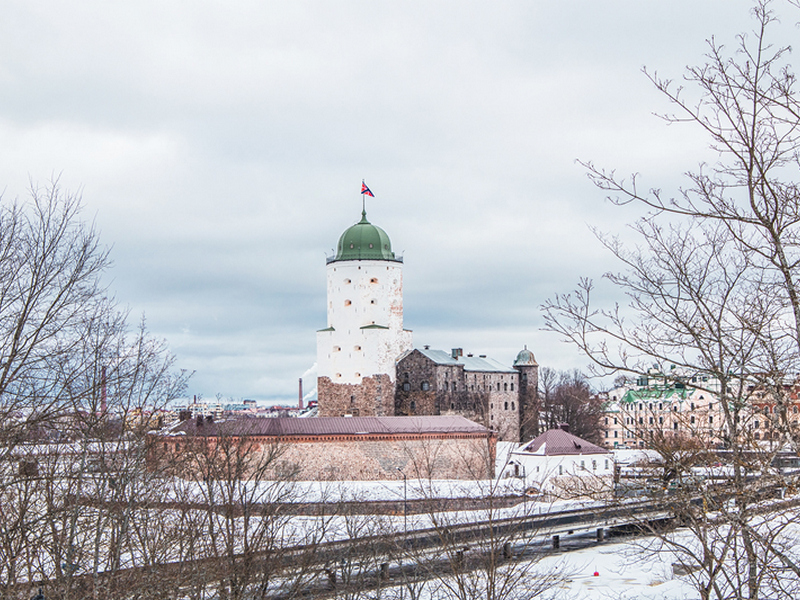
column 331, row 458
column 488, row 398
column 373, row 397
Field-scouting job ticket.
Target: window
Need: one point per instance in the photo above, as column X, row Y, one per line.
column 406, row 386
column 606, row 420
column 594, row 465
column 560, row 470
column 373, row 301
column 583, row 464
column 512, row 386
column 691, row 406
column 347, row 303
column 347, row 281
column 374, row 279
column 352, row 399
column 650, row 421
column 425, row 386
column 357, row 348
column 512, row 406
column 675, row 425
column 710, row 419
column 413, row 406
column 506, row 406
column 615, row 434
column 692, row 420
column 756, row 424
column 505, row 387
column 606, row 467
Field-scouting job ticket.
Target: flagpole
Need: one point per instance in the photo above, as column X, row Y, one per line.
column 363, row 199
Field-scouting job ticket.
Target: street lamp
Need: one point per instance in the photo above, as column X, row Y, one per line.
column 405, row 500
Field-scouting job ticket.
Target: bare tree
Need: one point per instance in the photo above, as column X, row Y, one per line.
column 76, row 392
column 713, row 289
column 567, row 399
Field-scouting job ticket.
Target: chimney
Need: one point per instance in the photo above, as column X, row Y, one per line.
column 427, row 347
column 300, row 394
column 564, row 427
column 456, row 352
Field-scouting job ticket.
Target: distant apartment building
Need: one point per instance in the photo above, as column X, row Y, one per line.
column 688, row 407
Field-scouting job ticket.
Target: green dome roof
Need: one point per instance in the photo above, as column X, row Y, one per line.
column 364, row 241
column 525, row 358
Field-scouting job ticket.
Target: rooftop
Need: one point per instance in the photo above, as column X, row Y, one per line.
column 329, row 426
column 557, row 442
column 481, row 364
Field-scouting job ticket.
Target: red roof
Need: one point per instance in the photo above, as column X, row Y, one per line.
column 556, row 442
column 330, row 426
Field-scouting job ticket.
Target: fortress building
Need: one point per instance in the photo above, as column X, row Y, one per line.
column 356, row 352
column 366, row 364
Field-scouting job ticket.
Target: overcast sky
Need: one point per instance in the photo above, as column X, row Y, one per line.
column 220, row 147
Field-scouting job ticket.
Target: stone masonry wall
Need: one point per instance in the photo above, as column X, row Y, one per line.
column 330, row 458
column 427, row 458
column 373, row 398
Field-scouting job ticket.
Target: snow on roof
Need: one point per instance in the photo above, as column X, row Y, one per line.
column 557, row 442
column 471, row 363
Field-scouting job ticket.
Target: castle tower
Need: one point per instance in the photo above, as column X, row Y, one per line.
column 528, row 369
column 356, row 353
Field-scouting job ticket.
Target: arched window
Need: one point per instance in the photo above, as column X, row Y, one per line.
column 506, row 406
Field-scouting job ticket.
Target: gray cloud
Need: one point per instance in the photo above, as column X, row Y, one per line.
column 220, row 149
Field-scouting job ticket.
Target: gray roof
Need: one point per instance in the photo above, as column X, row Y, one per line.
column 440, row 357
column 470, row 363
column 557, row 442
column 288, row 426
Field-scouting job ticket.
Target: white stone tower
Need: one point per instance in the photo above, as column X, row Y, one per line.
column 356, row 353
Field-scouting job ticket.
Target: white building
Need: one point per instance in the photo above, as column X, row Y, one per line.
column 563, row 465
column 356, row 352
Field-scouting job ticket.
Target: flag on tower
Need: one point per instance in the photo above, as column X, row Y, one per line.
column 365, row 189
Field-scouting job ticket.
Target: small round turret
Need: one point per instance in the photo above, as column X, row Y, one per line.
column 525, row 358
